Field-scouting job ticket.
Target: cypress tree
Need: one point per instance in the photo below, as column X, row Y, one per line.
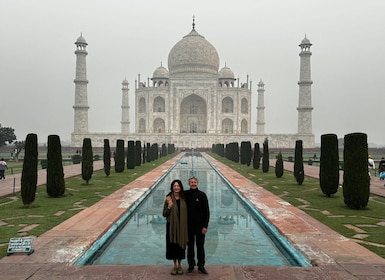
column 356, row 185
column 119, row 156
column 138, row 153
column 220, row 149
column 265, row 156
column 144, row 155
column 279, row 166
column 87, row 160
column 107, row 157
column 155, row 151
column 246, row 152
column 131, row 155
column 329, row 174
column 171, row 148
column 29, row 173
column 236, row 151
column 164, row 150
column 55, row 174
column 299, row 173
column 257, row 156
column 148, row 153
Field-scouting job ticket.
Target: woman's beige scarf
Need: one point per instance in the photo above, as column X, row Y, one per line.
column 178, row 226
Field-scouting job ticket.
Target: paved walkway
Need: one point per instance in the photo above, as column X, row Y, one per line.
column 332, row 255
column 12, row 182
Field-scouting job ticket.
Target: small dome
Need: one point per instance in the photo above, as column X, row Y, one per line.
column 81, row 40
column 226, row 73
column 160, row 73
column 305, row 41
column 193, row 55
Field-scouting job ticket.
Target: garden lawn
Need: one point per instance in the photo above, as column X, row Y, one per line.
column 366, row 227
column 46, row 212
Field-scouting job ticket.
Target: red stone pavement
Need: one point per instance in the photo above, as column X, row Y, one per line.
column 332, row 255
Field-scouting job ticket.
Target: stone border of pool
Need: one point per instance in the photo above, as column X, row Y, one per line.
column 333, row 256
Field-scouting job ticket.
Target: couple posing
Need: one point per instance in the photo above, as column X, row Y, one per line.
column 188, row 215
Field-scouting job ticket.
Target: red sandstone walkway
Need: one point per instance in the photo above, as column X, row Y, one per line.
column 335, row 256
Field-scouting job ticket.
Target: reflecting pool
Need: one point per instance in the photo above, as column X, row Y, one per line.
column 237, row 234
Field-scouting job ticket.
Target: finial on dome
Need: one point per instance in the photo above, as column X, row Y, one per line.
column 193, row 24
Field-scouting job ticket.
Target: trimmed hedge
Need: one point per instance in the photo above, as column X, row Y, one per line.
column 299, row 172
column 329, row 174
column 356, row 185
column 55, row 173
column 87, row 160
column 29, row 173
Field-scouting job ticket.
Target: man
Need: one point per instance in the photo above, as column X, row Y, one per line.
column 198, row 220
column 3, row 166
column 370, row 165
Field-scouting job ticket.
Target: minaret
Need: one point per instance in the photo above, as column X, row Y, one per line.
column 81, row 103
column 305, row 82
column 261, row 108
column 125, row 108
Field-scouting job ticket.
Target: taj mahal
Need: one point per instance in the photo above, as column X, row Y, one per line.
column 193, row 103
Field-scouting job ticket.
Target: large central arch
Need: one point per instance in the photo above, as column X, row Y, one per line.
column 193, row 115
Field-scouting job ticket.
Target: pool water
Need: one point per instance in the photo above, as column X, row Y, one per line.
column 236, row 235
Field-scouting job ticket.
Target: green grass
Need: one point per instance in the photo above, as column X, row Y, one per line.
column 48, row 212
column 330, row 211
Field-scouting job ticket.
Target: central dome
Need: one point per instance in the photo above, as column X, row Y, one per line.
column 193, row 56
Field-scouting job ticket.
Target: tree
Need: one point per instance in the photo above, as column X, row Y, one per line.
column 299, row 173
column 55, row 174
column 163, row 150
column 279, row 166
column 19, row 146
column 265, row 156
column 256, row 156
column 220, row 148
column 329, row 173
column 87, row 160
column 138, row 153
column 131, row 154
column 7, row 135
column 119, row 156
column 148, row 153
column 356, row 185
column 144, row 154
column 246, row 152
column 107, row 157
column 154, row 151
column 29, row 172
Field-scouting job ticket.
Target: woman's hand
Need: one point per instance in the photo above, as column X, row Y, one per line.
column 169, row 201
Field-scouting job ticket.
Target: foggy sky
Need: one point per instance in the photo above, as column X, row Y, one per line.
column 258, row 38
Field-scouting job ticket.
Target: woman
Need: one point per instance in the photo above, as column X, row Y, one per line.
column 175, row 210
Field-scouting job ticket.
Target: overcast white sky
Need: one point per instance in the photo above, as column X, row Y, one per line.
column 255, row 37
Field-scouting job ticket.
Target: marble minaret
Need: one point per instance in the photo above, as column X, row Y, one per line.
column 125, row 108
column 304, row 101
column 261, row 108
column 81, row 103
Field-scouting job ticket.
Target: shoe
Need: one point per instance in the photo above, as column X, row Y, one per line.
column 180, row 270
column 190, row 269
column 203, row 270
column 174, row 271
